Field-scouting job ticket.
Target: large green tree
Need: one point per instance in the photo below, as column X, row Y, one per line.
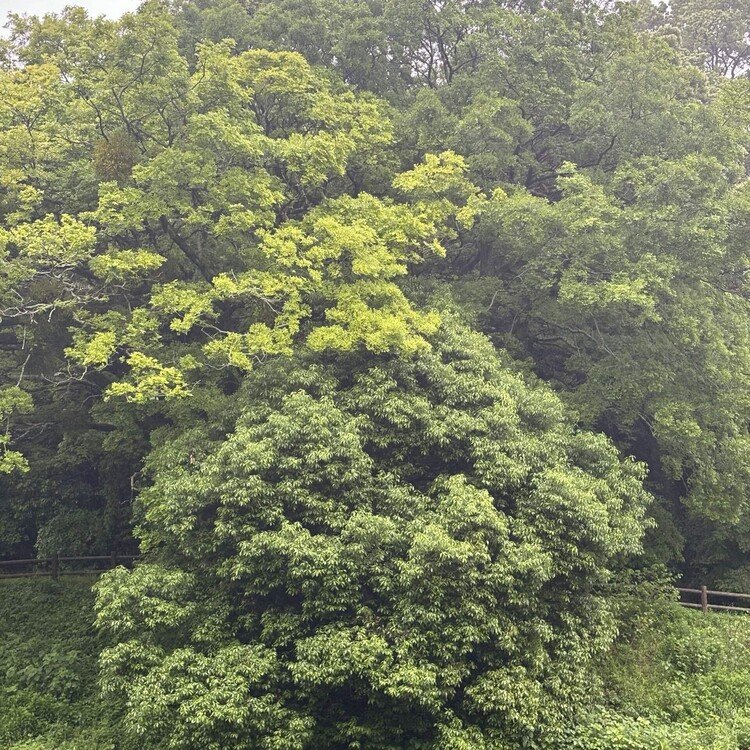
column 383, row 552
column 165, row 230
column 609, row 251
column 178, row 209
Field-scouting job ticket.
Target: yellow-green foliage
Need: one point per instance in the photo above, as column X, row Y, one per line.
column 227, row 221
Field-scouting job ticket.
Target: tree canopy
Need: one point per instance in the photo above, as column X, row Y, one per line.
column 389, row 332
column 400, row 553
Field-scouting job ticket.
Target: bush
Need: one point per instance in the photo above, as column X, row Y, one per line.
column 676, row 680
column 411, row 553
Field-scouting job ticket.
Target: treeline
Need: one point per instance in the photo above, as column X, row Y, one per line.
column 392, row 333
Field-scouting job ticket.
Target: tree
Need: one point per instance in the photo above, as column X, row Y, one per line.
column 218, row 218
column 390, row 552
column 716, row 33
column 632, row 298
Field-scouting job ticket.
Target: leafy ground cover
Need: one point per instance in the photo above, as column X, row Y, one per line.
column 49, row 697
column 675, row 680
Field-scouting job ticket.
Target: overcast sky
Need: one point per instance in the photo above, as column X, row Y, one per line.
column 111, row 8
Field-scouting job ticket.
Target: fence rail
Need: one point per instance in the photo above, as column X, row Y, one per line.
column 50, row 567
column 705, row 605
column 57, row 565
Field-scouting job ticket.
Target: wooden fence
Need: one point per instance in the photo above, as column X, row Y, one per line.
column 56, row 566
column 704, row 604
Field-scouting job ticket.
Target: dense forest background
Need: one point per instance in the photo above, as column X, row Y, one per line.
column 400, row 336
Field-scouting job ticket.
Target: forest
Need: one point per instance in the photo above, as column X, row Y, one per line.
column 407, row 345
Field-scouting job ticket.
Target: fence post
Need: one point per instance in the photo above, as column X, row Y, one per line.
column 113, row 561
column 55, row 566
column 704, row 599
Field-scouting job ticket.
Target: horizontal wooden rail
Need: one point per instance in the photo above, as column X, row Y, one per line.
column 703, row 592
column 51, row 566
column 95, row 558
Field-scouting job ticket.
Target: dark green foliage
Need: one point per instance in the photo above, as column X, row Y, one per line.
column 49, row 695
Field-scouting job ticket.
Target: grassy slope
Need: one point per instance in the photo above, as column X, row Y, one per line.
column 677, row 680
column 48, row 653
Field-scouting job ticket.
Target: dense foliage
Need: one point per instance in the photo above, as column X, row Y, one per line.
column 675, row 680
column 672, row 681
column 407, row 554
column 48, row 670
column 392, row 333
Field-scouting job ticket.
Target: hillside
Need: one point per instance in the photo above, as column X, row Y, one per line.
column 674, row 680
column 391, row 337
column 48, row 669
